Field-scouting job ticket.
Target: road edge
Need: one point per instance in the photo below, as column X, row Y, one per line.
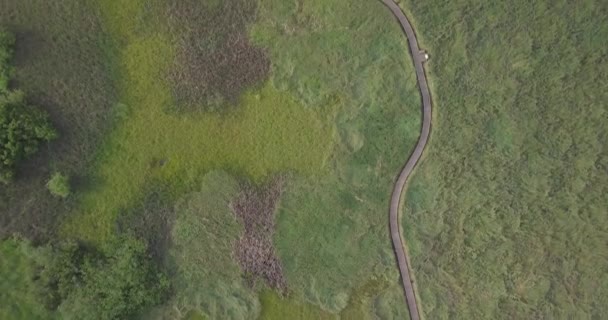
column 403, row 261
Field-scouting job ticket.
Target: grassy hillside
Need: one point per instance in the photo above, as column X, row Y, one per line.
column 507, row 214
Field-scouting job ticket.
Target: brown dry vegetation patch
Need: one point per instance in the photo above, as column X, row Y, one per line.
column 215, row 61
column 255, row 208
column 151, row 220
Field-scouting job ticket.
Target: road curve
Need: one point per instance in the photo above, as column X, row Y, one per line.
column 402, row 257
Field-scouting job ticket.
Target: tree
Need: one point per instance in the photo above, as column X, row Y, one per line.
column 22, row 129
column 117, row 283
column 59, row 185
column 60, row 272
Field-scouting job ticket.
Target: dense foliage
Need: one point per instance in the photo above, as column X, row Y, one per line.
column 7, row 41
column 115, row 284
column 22, row 127
column 59, row 185
column 19, row 294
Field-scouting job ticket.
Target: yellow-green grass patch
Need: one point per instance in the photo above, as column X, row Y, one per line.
column 268, row 132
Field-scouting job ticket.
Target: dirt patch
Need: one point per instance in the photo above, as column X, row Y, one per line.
column 255, row 208
column 215, row 61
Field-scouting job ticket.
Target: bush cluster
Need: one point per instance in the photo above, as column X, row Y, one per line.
column 7, row 41
column 22, row 127
column 59, row 185
column 117, row 283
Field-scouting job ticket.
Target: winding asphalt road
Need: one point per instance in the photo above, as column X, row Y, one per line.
column 398, row 244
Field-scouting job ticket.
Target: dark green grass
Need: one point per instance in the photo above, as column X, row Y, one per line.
column 506, row 217
column 60, row 65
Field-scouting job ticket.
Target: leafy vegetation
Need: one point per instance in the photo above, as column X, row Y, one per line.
column 114, row 284
column 22, row 129
column 117, row 286
column 7, row 41
column 59, row 185
column 18, row 291
column 270, row 131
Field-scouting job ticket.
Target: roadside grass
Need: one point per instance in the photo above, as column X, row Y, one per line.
column 332, row 231
column 60, row 64
column 506, row 217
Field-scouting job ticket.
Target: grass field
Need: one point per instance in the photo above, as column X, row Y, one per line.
column 294, row 138
column 323, row 120
column 507, row 214
column 504, row 219
column 338, row 224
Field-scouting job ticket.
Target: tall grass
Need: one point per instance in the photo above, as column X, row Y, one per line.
column 206, row 276
column 332, row 231
column 507, row 214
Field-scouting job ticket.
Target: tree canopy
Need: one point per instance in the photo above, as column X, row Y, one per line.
column 117, row 283
column 22, row 129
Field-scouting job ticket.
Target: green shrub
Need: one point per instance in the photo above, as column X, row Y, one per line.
column 117, row 286
column 19, row 299
column 60, row 272
column 7, row 40
column 118, row 283
column 59, row 185
column 22, row 129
